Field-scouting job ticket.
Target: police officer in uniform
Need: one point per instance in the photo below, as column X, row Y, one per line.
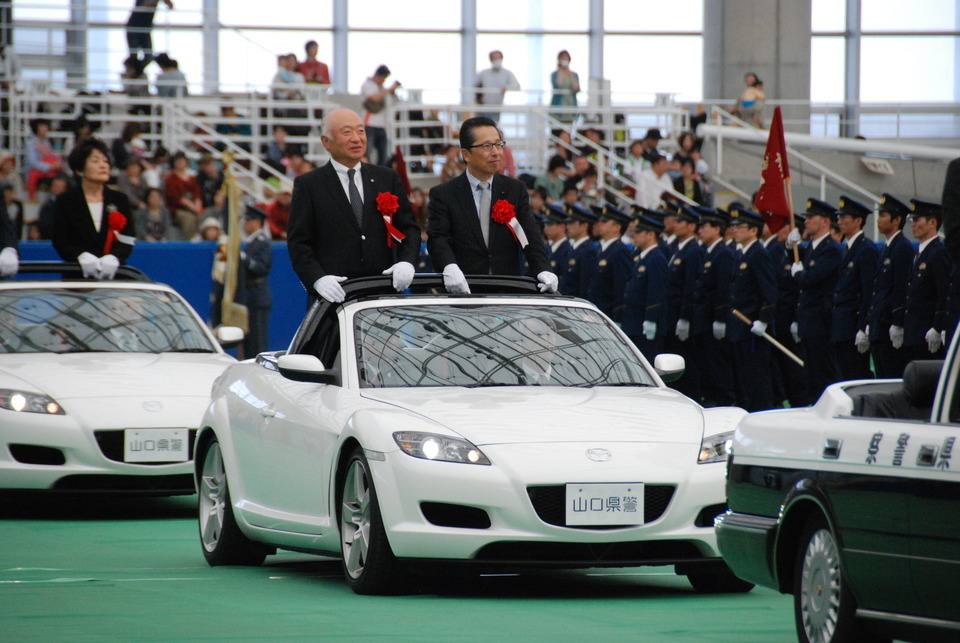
column 614, row 262
column 713, row 298
column 644, row 299
column 583, row 252
column 890, row 290
column 851, row 299
column 255, row 263
column 683, row 271
column 926, row 304
column 557, row 245
column 816, row 274
column 788, row 375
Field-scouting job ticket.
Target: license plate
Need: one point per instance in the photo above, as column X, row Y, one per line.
column 156, row 445
column 593, row 504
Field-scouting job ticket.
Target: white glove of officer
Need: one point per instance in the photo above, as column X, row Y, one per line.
column 9, row 262
column 933, row 340
column 896, row 336
column 863, row 340
column 683, row 330
column 795, row 331
column 89, row 264
column 402, row 272
column 649, row 330
column 795, row 268
column 548, row 281
column 108, row 267
column 793, row 238
column 943, row 337
column 758, row 328
column 330, row 289
column 454, row 281
column 719, row 330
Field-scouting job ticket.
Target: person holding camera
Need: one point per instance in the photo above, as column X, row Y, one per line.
column 375, row 96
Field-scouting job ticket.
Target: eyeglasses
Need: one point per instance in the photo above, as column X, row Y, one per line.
column 486, row 147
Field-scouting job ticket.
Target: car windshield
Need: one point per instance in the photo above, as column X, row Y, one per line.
column 74, row 320
column 492, row 345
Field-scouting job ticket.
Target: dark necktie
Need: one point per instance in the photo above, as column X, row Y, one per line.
column 484, row 213
column 355, row 201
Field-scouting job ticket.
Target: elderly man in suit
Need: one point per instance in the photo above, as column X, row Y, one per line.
column 9, row 257
column 481, row 220
column 350, row 219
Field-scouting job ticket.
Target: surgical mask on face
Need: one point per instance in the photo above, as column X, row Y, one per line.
column 563, row 63
column 497, row 64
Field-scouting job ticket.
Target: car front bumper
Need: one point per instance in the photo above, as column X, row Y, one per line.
column 747, row 543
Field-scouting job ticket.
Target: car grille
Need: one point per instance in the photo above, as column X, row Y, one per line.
column 549, row 502
column 111, row 445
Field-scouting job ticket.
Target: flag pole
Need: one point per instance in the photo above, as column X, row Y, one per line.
column 767, row 336
column 793, row 223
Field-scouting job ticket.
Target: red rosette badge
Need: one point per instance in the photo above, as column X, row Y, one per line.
column 387, row 205
column 116, row 222
column 504, row 212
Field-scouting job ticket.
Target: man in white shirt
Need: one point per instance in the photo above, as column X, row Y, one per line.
column 493, row 83
column 652, row 182
column 376, row 97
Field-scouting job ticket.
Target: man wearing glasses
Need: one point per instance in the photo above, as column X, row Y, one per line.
column 480, row 221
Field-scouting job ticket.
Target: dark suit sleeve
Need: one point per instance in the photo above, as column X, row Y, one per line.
column 259, row 258
column 766, row 275
column 406, row 223
column 902, row 261
column 724, row 269
column 868, row 274
column 656, row 292
column 941, row 268
column 951, row 210
column 8, row 236
column 302, row 230
column 535, row 253
column 66, row 240
column 824, row 268
column 439, row 243
column 688, row 301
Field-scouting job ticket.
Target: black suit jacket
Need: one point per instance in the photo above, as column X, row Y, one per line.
column 8, row 235
column 323, row 237
column 454, row 235
column 73, row 231
column 951, row 210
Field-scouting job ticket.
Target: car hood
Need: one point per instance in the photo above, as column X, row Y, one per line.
column 513, row 415
column 99, row 375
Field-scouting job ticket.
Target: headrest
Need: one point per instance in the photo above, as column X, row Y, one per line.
column 920, row 380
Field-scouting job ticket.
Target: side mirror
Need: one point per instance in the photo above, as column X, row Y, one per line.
column 305, row 368
column 669, row 366
column 229, row 336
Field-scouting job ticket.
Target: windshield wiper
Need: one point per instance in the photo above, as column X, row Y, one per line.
column 487, row 383
column 592, row 384
column 190, row 350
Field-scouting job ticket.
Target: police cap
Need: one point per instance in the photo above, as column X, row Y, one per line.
column 816, row 207
column 927, row 209
column 853, row 208
column 687, row 213
column 577, row 213
column 896, row 207
column 740, row 215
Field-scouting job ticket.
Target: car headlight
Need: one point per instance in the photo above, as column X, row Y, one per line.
column 28, row 402
column 715, row 448
column 431, row 446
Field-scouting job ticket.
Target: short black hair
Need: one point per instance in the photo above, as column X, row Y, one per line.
column 310, row 43
column 556, row 162
column 79, row 155
column 466, row 130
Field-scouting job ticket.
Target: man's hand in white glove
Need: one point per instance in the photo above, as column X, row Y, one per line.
column 402, row 272
column 896, row 336
column 548, row 281
column 793, row 238
column 758, row 328
column 454, row 281
column 683, row 330
column 330, row 289
column 649, row 330
column 108, row 267
column 89, row 264
column 795, row 331
column 933, row 340
column 862, row 341
column 943, row 337
column 719, row 330
column 795, row 268
column 9, row 262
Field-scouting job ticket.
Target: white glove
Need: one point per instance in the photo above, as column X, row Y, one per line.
column 454, row 281
column 548, row 281
column 896, row 336
column 719, row 330
column 90, row 265
column 795, row 331
column 795, row 268
column 933, row 340
column 862, row 341
column 793, row 238
column 683, row 330
column 649, row 330
column 330, row 289
column 402, row 272
column 758, row 328
column 943, row 337
column 9, row 262
column 108, row 267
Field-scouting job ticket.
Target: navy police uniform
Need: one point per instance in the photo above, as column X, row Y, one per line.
column 926, row 303
column 788, row 375
column 713, row 298
column 644, row 299
column 683, row 271
column 582, row 258
column 255, row 267
column 609, row 278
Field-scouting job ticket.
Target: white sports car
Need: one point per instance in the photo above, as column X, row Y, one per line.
column 503, row 429
column 102, row 384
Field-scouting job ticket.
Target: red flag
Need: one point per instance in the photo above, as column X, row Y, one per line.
column 402, row 171
column 771, row 200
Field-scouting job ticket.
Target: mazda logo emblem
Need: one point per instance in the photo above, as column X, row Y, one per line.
column 152, row 406
column 599, row 455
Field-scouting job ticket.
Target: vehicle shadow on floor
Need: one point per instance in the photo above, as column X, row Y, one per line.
column 44, row 505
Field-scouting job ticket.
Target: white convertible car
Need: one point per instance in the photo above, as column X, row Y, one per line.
column 102, row 384
column 501, row 429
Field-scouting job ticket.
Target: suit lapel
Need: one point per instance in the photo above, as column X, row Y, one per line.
column 331, row 185
column 370, row 190
column 468, row 208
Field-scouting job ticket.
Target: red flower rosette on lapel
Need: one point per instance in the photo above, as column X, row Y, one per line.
column 387, row 205
column 504, row 212
column 116, row 222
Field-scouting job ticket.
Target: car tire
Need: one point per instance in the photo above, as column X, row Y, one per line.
column 824, row 607
column 221, row 539
column 368, row 562
column 724, row 582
